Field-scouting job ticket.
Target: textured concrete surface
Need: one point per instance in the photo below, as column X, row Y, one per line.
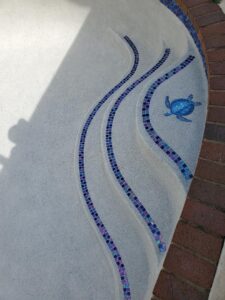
column 58, row 59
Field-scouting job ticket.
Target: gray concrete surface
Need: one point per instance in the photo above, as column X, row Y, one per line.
column 58, row 58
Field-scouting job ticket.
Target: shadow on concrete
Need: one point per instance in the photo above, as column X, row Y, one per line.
column 37, row 182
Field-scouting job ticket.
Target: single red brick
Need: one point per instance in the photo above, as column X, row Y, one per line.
column 204, row 9
column 217, row 83
column 209, row 218
column 207, row 192
column 211, row 171
column 217, row 68
column 190, row 3
column 218, row 28
column 216, row 114
column 168, row 287
column 214, row 41
column 210, row 19
column 217, row 97
column 215, row 132
column 190, row 267
column 213, row 151
column 198, row 241
column 216, row 54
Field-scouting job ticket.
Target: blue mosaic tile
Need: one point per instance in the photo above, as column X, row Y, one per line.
column 111, row 156
column 83, row 182
column 185, row 171
column 175, row 8
column 181, row 107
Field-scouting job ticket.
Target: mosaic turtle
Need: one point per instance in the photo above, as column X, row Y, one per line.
column 181, row 107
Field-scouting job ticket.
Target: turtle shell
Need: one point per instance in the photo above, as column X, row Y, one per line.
column 182, row 107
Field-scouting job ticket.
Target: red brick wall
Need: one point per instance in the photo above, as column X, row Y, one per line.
column 192, row 259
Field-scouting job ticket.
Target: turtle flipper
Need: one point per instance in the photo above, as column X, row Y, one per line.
column 198, row 103
column 167, row 102
column 190, row 97
column 167, row 114
column 181, row 118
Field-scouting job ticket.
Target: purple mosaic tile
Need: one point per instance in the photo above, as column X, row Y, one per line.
column 83, row 182
column 112, row 159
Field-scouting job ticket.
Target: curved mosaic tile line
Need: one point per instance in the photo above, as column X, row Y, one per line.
column 175, row 8
column 149, row 128
column 101, row 227
column 111, row 156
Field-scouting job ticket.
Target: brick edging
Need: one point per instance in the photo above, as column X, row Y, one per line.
column 192, row 259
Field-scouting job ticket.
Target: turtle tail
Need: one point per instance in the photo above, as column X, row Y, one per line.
column 198, row 103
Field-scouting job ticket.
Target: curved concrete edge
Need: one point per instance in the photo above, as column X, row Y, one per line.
column 218, row 288
column 194, row 255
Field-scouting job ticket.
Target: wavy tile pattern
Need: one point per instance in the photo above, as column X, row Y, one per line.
column 112, row 159
column 147, row 122
column 83, row 182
